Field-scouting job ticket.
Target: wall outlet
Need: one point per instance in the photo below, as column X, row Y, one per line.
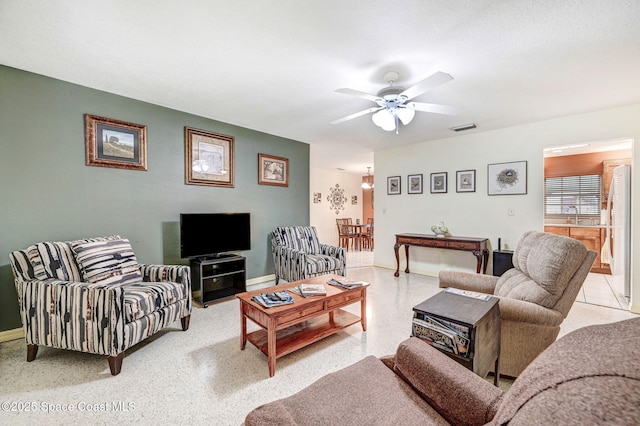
column 511, row 212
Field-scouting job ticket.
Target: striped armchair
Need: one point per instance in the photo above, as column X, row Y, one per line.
column 298, row 254
column 92, row 296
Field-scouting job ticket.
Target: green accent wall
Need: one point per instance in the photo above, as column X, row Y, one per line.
column 47, row 193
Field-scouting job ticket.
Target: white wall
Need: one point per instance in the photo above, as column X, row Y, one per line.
column 321, row 215
column 478, row 214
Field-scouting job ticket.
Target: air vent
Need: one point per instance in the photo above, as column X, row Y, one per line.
column 464, row 127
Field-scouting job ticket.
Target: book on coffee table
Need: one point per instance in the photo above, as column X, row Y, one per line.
column 346, row 283
column 308, row 290
column 269, row 300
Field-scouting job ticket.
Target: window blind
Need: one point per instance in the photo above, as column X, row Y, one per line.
column 563, row 194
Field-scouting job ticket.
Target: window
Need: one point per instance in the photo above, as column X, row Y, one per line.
column 570, row 194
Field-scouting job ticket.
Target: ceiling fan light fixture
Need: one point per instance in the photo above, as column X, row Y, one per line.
column 384, row 119
column 405, row 115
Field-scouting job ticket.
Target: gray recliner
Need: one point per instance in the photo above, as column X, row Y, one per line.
column 535, row 295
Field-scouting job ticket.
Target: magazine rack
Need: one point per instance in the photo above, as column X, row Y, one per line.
column 465, row 328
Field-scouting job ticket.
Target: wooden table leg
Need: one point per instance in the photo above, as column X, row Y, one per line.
column 406, row 252
column 243, row 326
column 271, row 346
column 485, row 255
column 478, row 255
column 363, row 310
column 395, row 249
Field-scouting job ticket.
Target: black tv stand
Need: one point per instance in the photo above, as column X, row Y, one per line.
column 215, row 256
column 217, row 277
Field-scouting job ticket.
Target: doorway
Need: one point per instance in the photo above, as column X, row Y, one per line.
column 577, row 179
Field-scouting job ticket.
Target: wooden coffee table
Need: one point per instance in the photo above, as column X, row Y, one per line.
column 290, row 327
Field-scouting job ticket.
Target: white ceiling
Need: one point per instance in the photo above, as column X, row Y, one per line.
column 274, row 66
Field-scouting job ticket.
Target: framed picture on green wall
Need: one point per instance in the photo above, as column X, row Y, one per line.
column 273, row 170
column 115, row 143
column 208, row 158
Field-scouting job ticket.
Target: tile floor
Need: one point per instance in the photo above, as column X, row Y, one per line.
column 202, row 377
column 596, row 290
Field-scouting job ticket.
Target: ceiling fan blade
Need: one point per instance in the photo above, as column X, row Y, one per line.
column 357, row 114
column 359, row 94
column 427, row 84
column 438, row 109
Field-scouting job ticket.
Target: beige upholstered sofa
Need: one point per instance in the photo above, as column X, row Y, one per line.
column 535, row 295
column 590, row 376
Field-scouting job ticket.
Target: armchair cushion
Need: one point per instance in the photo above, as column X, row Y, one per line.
column 58, row 261
column 142, row 299
column 458, row 395
column 365, row 393
column 107, row 261
column 318, row 263
column 303, row 238
column 560, row 257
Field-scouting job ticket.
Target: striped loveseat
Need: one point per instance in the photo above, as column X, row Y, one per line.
column 298, row 254
column 93, row 296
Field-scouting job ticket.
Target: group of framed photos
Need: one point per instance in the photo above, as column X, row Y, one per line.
column 502, row 179
column 209, row 157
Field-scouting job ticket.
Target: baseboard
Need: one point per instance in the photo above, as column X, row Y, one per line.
column 260, row 280
column 7, row 335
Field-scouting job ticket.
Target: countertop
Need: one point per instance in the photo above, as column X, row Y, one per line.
column 571, row 225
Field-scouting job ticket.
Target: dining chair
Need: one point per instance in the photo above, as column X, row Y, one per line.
column 345, row 234
column 367, row 235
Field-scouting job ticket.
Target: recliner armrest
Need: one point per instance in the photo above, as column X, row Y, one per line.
column 459, row 395
column 466, row 281
column 522, row 311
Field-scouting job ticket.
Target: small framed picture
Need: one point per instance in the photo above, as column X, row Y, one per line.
column 273, row 170
column 507, row 178
column 466, row 181
column 439, row 183
column 208, row 158
column 414, row 184
column 393, row 185
column 115, row 143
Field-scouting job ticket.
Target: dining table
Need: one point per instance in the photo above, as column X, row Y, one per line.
column 356, row 229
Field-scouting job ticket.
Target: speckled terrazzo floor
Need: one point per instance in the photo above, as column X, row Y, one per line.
column 201, row 376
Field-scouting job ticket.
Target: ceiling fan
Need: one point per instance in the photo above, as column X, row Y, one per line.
column 393, row 101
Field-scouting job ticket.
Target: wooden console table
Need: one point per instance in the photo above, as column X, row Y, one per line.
column 478, row 246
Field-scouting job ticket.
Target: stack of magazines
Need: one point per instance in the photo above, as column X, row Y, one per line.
column 269, row 300
column 446, row 335
column 307, row 290
column 346, row 283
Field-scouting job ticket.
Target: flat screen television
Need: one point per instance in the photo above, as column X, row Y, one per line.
column 210, row 234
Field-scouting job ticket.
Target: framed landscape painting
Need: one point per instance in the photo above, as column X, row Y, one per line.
column 208, row 158
column 115, row 143
column 273, row 170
